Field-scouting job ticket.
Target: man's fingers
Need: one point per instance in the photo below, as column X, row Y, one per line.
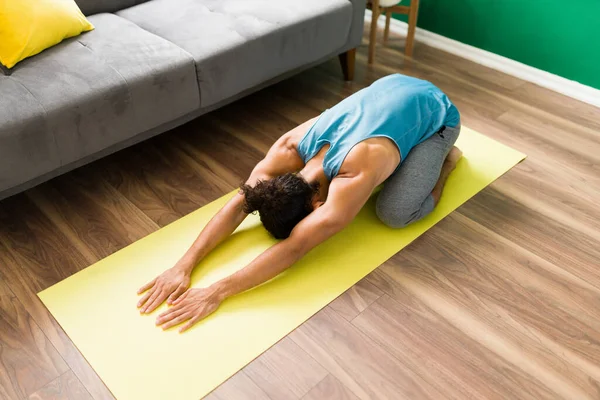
column 180, row 298
column 168, row 317
column 145, row 298
column 175, row 295
column 153, row 294
column 147, row 286
column 191, row 322
column 176, row 321
column 155, row 301
column 172, row 313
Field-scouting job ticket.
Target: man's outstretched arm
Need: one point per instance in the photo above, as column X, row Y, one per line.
column 172, row 283
column 175, row 281
column 346, row 198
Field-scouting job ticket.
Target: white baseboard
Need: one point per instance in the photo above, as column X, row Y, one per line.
column 545, row 79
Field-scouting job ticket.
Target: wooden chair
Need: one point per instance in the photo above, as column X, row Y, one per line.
column 388, row 7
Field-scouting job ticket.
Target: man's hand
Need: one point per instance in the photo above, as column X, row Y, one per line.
column 194, row 305
column 172, row 283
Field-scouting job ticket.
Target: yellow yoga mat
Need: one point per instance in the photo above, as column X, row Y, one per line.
column 136, row 360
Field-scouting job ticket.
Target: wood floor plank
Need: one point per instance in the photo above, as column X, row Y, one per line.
column 566, row 205
column 35, row 255
column 285, row 371
column 159, row 180
column 238, row 387
column 226, row 149
column 461, row 67
column 330, row 389
column 552, row 241
column 322, row 86
column 580, row 144
column 523, row 311
column 25, row 231
column 260, row 112
column 91, row 213
column 295, row 111
column 27, row 358
column 360, row 364
column 65, row 387
column 441, row 354
column 576, row 111
column 256, row 126
column 555, row 160
column 555, row 303
column 356, row 299
column 219, row 174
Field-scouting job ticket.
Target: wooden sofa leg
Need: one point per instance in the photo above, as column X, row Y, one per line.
column 347, row 62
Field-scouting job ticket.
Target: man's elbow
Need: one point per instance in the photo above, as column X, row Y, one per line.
column 295, row 248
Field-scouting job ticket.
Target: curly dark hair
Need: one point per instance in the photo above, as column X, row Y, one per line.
column 281, row 202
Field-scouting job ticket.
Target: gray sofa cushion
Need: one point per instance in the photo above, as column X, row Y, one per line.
column 27, row 146
column 89, row 7
column 88, row 93
column 239, row 44
column 358, row 21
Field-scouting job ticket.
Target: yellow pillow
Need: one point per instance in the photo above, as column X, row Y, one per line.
column 28, row 27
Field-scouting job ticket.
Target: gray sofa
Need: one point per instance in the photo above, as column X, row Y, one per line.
column 150, row 66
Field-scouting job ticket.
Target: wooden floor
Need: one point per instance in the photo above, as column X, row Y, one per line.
column 501, row 300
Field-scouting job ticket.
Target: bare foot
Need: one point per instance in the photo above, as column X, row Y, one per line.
column 449, row 164
column 453, row 156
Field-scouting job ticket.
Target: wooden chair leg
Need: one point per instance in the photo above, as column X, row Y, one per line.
column 412, row 25
column 386, row 32
column 347, row 63
column 373, row 36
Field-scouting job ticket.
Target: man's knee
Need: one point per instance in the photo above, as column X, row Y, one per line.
column 394, row 217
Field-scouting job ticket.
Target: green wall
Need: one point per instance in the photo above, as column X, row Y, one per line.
column 558, row 36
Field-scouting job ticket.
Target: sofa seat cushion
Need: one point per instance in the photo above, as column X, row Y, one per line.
column 238, row 44
column 89, row 93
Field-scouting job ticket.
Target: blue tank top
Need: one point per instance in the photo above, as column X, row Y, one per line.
column 404, row 109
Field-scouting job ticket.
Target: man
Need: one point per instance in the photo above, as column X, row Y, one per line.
column 400, row 131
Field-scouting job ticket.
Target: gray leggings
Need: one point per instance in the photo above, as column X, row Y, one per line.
column 406, row 194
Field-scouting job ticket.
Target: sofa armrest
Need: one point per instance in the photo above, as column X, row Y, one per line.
column 358, row 21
